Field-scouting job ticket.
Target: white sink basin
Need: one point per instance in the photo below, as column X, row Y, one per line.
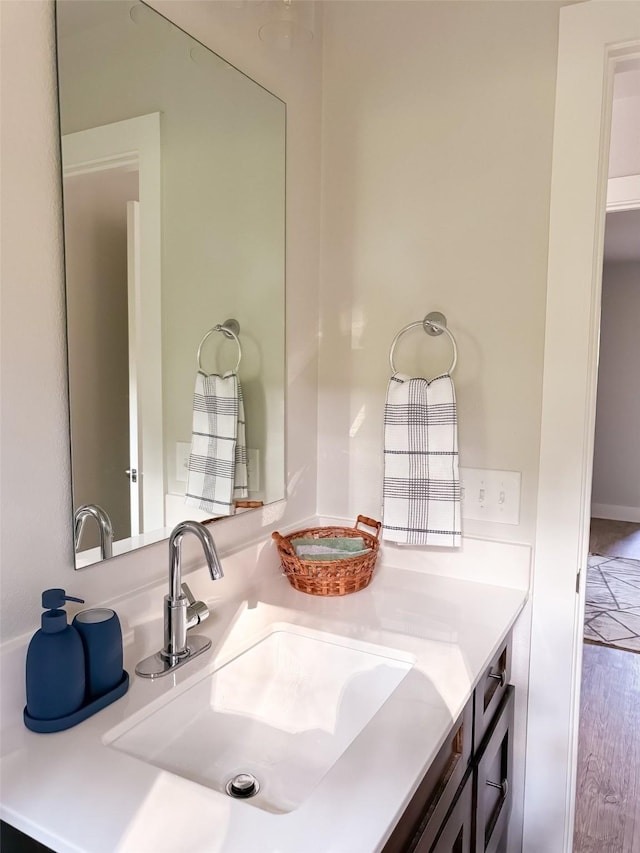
column 284, row 710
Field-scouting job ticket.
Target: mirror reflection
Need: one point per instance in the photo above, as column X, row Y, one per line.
column 174, row 190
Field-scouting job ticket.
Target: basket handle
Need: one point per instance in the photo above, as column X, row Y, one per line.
column 369, row 522
column 283, row 543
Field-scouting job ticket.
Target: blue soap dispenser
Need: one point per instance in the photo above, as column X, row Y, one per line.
column 55, row 663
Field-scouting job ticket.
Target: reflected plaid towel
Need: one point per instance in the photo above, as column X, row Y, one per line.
column 218, row 461
column 421, row 492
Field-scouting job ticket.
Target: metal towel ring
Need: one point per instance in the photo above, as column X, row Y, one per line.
column 433, row 324
column 230, row 329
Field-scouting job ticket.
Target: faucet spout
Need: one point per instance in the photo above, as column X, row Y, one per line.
column 175, row 556
column 104, row 526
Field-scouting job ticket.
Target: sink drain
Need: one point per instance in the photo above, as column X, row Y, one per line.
column 242, row 786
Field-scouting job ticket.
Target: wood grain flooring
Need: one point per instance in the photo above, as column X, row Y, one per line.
column 608, row 785
column 614, row 538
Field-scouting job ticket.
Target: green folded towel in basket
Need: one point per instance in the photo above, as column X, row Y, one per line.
column 334, row 555
column 329, row 548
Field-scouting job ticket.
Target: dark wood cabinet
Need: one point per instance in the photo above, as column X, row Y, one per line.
column 492, row 780
column 490, row 692
column 456, row 835
column 14, row 841
column 464, row 801
column 426, row 812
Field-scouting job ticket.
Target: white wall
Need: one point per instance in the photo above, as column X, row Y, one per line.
column 35, row 502
column 624, row 153
column 437, row 130
column 616, row 461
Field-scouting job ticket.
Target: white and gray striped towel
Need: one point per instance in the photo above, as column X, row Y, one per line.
column 421, row 492
column 217, row 473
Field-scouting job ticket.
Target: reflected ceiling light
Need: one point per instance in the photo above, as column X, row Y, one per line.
column 358, row 421
column 286, row 28
column 142, row 14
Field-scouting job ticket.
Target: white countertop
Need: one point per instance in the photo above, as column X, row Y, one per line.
column 74, row 793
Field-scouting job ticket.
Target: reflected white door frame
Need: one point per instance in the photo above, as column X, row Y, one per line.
column 136, row 143
column 133, row 294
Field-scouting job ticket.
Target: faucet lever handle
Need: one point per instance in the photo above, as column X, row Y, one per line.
column 197, row 611
column 188, row 593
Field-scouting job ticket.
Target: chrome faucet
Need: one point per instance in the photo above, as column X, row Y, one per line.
column 104, row 526
column 181, row 611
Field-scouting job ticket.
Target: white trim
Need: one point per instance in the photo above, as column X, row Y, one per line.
column 72, row 145
column 135, row 143
column 623, row 193
column 133, row 298
column 594, row 37
column 615, row 513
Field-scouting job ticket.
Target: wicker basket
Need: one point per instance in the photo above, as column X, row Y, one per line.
column 331, row 577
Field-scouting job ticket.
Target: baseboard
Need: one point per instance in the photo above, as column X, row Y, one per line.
column 615, row 513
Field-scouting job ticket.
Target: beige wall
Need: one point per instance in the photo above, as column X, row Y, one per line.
column 36, row 502
column 437, row 130
column 438, row 120
column 616, row 460
column 615, row 491
column 437, row 148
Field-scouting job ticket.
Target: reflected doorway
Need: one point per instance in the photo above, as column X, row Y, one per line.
column 111, row 182
column 607, row 818
column 96, row 213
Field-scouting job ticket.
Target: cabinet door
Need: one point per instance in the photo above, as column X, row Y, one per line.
column 427, row 809
column 490, row 692
column 492, row 778
column 456, row 833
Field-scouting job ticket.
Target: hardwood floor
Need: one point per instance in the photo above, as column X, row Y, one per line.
column 614, row 538
column 608, row 785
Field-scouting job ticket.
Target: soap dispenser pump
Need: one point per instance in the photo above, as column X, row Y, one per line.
column 55, row 663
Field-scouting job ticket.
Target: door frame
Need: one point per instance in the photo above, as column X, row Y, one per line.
column 136, row 143
column 134, row 266
column 596, row 38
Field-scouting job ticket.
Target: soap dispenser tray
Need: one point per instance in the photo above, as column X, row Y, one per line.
column 62, row 723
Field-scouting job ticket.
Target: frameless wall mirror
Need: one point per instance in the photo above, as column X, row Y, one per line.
column 174, row 191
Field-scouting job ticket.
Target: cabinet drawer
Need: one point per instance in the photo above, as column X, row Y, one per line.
column 423, row 816
column 492, row 780
column 490, row 692
column 456, row 834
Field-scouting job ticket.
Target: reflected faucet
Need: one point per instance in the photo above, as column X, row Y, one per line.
column 181, row 611
column 104, row 526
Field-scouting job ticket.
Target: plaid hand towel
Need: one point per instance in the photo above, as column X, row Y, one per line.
column 218, row 461
column 421, row 492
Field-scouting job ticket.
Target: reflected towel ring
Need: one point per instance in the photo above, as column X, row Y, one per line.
column 433, row 324
column 230, row 329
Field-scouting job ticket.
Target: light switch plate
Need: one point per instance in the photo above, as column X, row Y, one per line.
column 490, row 495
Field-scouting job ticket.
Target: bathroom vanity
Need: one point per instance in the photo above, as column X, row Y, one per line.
column 463, row 803
column 378, row 721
